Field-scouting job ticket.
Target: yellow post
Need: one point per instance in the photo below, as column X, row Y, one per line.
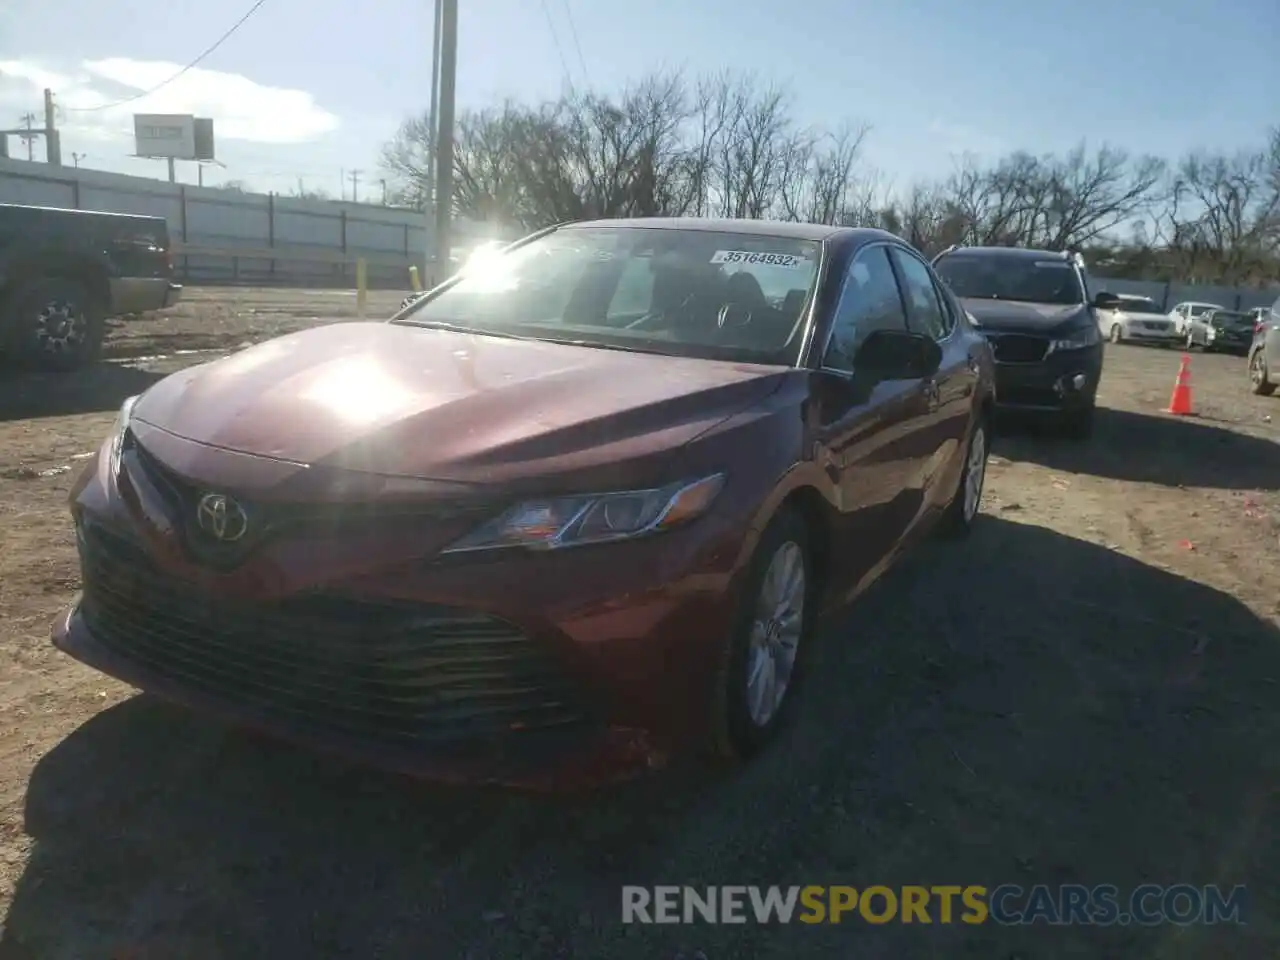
column 415, row 280
column 362, row 286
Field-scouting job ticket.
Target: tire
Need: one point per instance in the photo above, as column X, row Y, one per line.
column 1259, row 377
column 54, row 324
column 958, row 518
column 739, row 732
column 1078, row 424
column 1115, row 335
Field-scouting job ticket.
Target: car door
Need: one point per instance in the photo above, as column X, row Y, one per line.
column 862, row 431
column 1179, row 317
column 942, row 432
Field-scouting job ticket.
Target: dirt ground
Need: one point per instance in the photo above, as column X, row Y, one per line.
column 1086, row 691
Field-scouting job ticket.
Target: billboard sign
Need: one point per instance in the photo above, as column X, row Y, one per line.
column 179, row 136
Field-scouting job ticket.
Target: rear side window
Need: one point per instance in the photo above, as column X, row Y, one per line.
column 927, row 309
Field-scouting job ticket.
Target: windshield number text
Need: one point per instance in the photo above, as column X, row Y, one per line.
column 763, row 259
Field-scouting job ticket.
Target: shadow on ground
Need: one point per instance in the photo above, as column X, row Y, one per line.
column 1025, row 708
column 101, row 387
column 1150, row 448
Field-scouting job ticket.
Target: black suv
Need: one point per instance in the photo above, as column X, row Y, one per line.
column 1034, row 308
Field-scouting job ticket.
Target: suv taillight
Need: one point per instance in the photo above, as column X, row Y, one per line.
column 1257, row 327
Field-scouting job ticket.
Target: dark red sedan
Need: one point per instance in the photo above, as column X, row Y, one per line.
column 589, row 497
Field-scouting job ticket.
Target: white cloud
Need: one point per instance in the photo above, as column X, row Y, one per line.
column 241, row 109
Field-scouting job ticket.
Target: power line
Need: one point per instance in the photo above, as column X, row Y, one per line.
column 573, row 32
column 551, row 25
column 194, row 63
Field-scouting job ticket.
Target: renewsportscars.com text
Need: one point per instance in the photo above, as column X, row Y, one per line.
column 1008, row 904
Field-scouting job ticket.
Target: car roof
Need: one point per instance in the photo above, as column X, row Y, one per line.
column 1133, row 296
column 783, row 229
column 1023, row 252
column 1201, row 303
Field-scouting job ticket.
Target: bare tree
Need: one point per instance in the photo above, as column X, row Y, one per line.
column 729, row 145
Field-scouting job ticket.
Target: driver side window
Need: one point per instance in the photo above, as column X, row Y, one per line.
column 869, row 300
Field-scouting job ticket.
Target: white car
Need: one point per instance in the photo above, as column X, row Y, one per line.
column 1190, row 310
column 1137, row 319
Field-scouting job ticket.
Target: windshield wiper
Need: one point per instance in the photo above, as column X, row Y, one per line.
column 459, row 328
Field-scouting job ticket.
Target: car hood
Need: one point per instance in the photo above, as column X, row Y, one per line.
column 408, row 401
column 1022, row 316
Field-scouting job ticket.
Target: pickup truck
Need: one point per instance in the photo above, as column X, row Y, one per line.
column 64, row 272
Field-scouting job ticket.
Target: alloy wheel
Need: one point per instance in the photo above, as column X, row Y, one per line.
column 775, row 633
column 59, row 327
column 975, row 473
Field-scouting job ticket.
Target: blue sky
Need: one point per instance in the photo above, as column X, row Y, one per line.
column 309, row 88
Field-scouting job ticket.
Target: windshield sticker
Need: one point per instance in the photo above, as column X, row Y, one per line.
column 787, row 260
column 1052, row 265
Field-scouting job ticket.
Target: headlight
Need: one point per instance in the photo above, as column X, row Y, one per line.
column 1077, row 339
column 593, row 518
column 117, row 432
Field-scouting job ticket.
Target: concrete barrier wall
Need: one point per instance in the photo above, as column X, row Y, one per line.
column 208, row 217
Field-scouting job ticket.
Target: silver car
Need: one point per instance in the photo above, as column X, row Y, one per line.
column 1184, row 314
column 1130, row 318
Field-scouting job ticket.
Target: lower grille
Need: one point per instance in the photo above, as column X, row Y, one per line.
column 1019, row 348
column 399, row 674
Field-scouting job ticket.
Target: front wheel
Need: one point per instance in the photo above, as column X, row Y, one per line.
column 957, row 521
column 758, row 682
column 1259, row 378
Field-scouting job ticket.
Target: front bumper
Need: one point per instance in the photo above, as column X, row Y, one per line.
column 143, row 294
column 1134, row 330
column 1062, row 381
column 628, row 635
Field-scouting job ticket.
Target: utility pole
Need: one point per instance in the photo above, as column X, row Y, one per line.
column 52, row 139
column 76, row 158
column 444, row 138
column 384, row 191
column 28, row 137
column 355, row 180
column 433, row 136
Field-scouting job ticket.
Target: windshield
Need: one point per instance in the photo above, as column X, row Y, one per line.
column 999, row 277
column 687, row 293
column 1140, row 306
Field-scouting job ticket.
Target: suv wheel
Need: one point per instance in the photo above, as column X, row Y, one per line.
column 54, row 324
column 764, row 660
column 1259, row 378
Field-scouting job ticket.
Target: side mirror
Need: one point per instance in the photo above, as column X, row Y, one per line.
column 897, row 355
column 1106, row 301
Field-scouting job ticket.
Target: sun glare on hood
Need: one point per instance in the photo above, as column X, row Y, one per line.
column 360, row 391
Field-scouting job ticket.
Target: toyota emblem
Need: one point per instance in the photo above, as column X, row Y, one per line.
column 221, row 517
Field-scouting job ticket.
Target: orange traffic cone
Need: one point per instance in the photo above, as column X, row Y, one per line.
column 1180, row 401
